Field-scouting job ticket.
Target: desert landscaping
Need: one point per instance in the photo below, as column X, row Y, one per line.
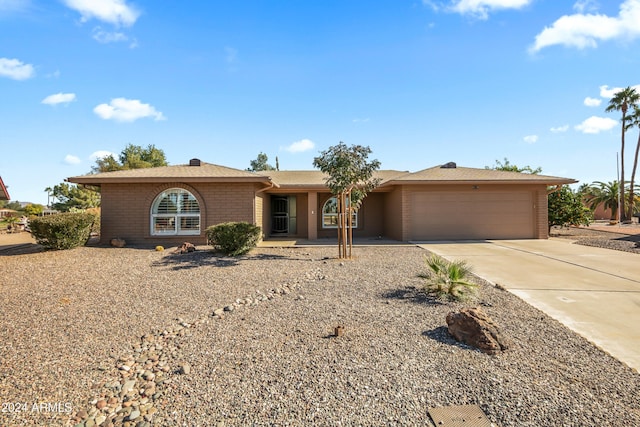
column 132, row 336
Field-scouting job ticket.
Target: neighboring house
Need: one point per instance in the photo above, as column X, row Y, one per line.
column 7, row 212
column 4, row 194
column 173, row 204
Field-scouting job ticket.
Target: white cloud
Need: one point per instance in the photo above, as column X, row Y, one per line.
column 607, row 92
column 585, row 30
column 559, row 129
column 72, row 160
column 104, row 37
column 127, row 110
column 15, row 69
column 300, row 146
column 582, row 6
column 14, row 5
column 592, row 102
column 481, row 8
column 59, row 98
column 101, row 154
column 596, row 124
column 531, row 139
column 116, row 12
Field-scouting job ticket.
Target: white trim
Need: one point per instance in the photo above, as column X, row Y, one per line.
column 335, row 215
column 172, row 226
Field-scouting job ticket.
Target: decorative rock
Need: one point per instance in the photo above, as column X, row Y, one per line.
column 218, row 312
column 128, row 386
column 118, row 242
column 134, row 415
column 473, row 327
column 185, row 368
column 229, row 308
column 185, row 248
column 101, row 404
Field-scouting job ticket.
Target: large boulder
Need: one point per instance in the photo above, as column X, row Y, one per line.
column 473, row 327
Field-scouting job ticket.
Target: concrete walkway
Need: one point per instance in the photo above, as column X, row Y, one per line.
column 593, row 291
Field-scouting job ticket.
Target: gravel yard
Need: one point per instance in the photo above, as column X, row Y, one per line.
column 78, row 325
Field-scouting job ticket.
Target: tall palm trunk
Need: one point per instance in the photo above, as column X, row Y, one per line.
column 624, row 123
column 633, row 177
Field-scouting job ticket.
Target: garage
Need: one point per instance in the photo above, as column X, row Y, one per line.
column 471, row 215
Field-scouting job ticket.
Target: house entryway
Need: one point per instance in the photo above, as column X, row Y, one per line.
column 284, row 220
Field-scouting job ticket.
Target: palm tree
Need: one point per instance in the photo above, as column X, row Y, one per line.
column 448, row 279
column 621, row 101
column 634, row 121
column 605, row 193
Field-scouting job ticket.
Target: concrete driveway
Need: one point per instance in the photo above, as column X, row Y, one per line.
column 593, row 291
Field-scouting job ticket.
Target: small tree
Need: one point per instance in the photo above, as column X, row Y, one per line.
column 566, row 208
column 132, row 157
column 350, row 178
column 75, row 196
column 261, row 163
column 12, row 220
column 506, row 166
column 33, row 209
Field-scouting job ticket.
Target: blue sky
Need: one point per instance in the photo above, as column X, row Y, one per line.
column 421, row 82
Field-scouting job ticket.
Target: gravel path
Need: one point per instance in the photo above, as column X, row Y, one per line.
column 104, row 342
column 601, row 239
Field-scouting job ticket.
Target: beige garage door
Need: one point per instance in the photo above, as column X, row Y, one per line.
column 471, row 215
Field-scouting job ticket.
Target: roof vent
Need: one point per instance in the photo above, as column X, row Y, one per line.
column 450, row 165
column 194, row 162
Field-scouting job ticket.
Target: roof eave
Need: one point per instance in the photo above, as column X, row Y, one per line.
column 483, row 181
column 153, row 180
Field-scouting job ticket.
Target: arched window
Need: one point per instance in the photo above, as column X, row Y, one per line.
column 330, row 214
column 175, row 212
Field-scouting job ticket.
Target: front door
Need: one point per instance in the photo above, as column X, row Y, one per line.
column 283, row 215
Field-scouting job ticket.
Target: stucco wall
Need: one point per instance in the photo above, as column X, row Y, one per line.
column 370, row 217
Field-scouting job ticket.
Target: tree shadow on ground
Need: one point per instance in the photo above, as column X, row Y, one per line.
column 212, row 259
column 24, row 249
column 634, row 238
column 413, row 295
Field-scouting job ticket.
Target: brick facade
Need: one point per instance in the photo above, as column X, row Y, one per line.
column 126, row 209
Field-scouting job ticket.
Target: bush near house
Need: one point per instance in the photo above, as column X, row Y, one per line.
column 62, row 231
column 234, row 238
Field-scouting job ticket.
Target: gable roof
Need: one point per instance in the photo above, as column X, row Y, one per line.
column 207, row 172
column 462, row 175
column 315, row 178
column 204, row 172
column 4, row 194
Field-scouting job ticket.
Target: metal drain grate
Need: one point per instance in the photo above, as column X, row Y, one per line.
column 459, row 416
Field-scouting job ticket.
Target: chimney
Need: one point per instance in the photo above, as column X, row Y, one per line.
column 194, row 162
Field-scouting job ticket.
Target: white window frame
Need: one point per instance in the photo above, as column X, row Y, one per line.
column 181, row 213
column 335, row 215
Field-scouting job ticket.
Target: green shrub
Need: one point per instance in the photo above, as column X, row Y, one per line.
column 448, row 279
column 63, row 230
column 234, row 238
